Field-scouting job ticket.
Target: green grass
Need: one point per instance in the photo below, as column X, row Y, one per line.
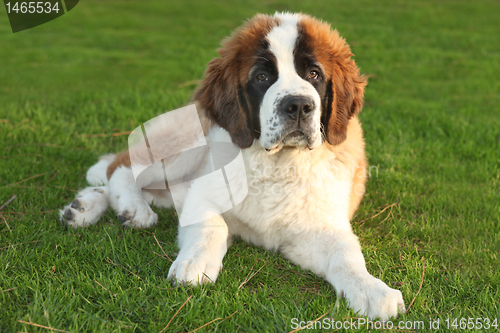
column 431, row 120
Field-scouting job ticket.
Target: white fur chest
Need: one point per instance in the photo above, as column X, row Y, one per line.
column 289, row 192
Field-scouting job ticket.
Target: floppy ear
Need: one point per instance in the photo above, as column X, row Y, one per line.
column 344, row 97
column 221, row 96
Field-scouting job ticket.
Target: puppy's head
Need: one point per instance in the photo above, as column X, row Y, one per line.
column 286, row 80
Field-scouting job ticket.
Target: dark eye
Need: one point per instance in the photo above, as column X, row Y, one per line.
column 313, row 75
column 261, row 77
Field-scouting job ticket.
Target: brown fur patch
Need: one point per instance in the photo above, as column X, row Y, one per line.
column 358, row 187
column 220, row 94
column 345, row 84
column 121, row 159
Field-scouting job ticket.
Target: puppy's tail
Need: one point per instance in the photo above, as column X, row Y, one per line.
column 96, row 175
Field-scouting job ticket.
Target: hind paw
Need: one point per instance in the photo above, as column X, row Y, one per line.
column 88, row 207
column 137, row 214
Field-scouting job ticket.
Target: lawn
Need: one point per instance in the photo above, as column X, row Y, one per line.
column 429, row 224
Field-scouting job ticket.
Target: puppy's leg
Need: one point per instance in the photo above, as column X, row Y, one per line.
column 336, row 256
column 131, row 197
column 203, row 233
column 159, row 198
column 202, row 247
column 127, row 200
column 92, row 202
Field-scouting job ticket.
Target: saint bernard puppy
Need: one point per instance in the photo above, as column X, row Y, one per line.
column 286, row 91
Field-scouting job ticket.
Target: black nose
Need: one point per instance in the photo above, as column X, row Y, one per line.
column 297, row 106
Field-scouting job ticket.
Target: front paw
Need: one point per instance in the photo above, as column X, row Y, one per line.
column 195, row 269
column 374, row 299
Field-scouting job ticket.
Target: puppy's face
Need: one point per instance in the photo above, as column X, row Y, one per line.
column 286, row 80
column 285, row 86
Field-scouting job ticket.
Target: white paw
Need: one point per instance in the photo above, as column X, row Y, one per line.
column 88, row 207
column 374, row 299
column 135, row 212
column 195, row 268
